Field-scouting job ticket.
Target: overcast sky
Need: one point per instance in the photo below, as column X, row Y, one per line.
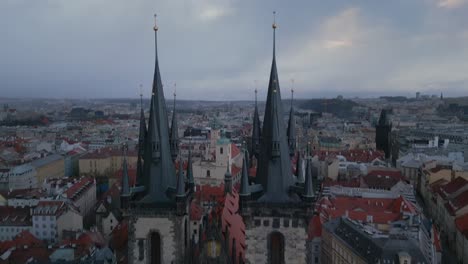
column 215, row 49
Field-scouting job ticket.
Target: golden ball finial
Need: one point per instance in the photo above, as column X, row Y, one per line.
column 155, row 28
column 274, row 26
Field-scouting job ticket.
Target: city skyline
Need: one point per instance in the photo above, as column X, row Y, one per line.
column 215, row 50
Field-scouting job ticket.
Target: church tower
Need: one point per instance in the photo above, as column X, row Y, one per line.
column 382, row 134
column 276, row 209
column 158, row 210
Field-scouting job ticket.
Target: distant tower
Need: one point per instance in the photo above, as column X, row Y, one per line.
column 441, row 96
column 276, row 210
column 228, row 180
column 256, row 131
column 382, row 133
column 292, row 127
column 174, row 137
column 159, row 213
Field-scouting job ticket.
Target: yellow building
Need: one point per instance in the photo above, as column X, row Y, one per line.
column 105, row 161
column 52, row 166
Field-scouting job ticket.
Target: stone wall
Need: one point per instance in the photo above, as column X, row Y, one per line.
column 295, row 236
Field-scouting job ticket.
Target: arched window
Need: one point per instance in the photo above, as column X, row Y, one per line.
column 276, row 248
column 155, row 248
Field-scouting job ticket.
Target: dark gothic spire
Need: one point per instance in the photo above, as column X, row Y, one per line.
column 292, row 128
column 299, row 168
column 274, row 166
column 174, row 137
column 180, row 180
column 256, row 131
column 190, row 180
column 383, row 120
column 228, row 180
column 309, row 186
column 159, row 168
column 244, row 187
column 141, row 145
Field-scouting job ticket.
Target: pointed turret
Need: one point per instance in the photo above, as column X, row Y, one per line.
column 159, row 168
column 227, row 180
column 256, row 131
column 309, row 185
column 292, row 128
column 274, row 165
column 300, row 168
column 244, row 187
column 141, row 146
column 180, row 180
column 190, row 180
column 174, row 137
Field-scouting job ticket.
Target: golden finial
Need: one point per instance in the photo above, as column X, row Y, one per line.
column 274, row 26
column 155, row 23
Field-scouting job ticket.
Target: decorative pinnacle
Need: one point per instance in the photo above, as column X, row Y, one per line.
column 292, row 91
column 274, row 26
column 175, row 88
column 155, row 23
column 141, row 95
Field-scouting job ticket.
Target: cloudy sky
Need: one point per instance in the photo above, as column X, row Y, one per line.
column 216, row 49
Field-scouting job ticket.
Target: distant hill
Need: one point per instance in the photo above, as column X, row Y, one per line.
column 338, row 107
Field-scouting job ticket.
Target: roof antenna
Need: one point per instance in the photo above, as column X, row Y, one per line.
column 292, row 92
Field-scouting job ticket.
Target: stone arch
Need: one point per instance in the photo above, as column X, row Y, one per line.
column 276, row 246
column 155, row 247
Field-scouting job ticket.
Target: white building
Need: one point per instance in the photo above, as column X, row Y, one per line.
column 51, row 218
column 212, row 172
column 19, row 177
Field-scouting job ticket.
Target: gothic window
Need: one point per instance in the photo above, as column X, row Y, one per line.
column 276, row 248
column 155, row 242
column 221, row 150
column 208, row 174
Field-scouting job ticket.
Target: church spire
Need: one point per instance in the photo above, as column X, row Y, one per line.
column 174, row 137
column 309, row 185
column 292, row 125
column 256, row 130
column 300, row 168
column 190, row 180
column 159, row 168
column 141, row 143
column 274, row 166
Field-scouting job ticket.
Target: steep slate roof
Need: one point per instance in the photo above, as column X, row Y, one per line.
column 141, row 147
column 274, row 164
column 256, row 131
column 291, row 129
column 159, row 171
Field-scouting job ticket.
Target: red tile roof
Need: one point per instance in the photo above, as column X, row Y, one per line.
column 382, row 179
column 196, row 211
column 462, row 224
column 85, row 243
column 315, row 227
column 24, row 247
column 208, row 192
column 382, row 210
column 11, row 216
column 234, row 151
column 458, row 202
column 452, row 187
column 119, row 236
column 78, row 188
column 234, row 223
